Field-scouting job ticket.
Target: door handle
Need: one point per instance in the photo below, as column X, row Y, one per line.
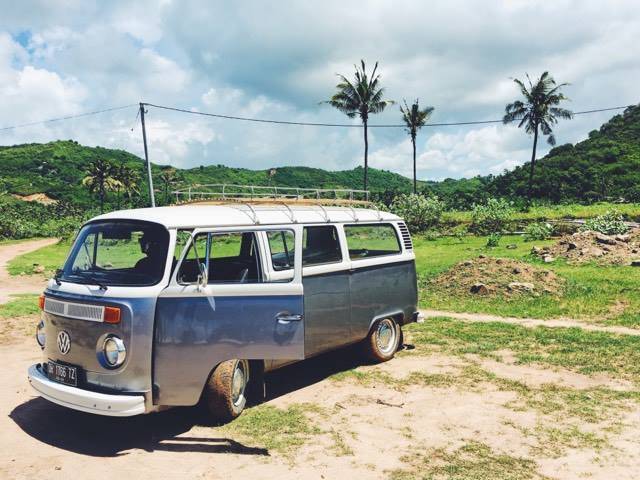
column 286, row 318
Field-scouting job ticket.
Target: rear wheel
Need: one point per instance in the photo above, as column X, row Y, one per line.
column 383, row 340
column 225, row 392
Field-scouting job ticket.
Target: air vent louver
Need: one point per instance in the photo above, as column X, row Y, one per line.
column 406, row 236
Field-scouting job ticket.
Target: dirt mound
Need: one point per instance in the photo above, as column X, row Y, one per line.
column 36, row 197
column 591, row 246
column 498, row 276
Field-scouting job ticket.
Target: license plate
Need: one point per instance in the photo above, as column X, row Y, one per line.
column 62, row 373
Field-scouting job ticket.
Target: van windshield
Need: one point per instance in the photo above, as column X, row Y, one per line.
column 119, row 253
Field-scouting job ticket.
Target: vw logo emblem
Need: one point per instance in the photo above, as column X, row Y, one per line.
column 64, row 342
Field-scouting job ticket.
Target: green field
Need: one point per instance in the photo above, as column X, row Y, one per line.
column 631, row 211
column 606, row 295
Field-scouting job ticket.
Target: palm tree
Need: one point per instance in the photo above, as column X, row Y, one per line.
column 415, row 119
column 100, row 178
column 362, row 97
column 538, row 111
column 168, row 177
column 128, row 179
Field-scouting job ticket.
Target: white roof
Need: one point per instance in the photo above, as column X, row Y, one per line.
column 202, row 216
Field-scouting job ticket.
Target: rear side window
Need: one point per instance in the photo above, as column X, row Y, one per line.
column 320, row 245
column 281, row 244
column 366, row 241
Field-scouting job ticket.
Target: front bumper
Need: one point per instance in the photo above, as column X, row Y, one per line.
column 85, row 400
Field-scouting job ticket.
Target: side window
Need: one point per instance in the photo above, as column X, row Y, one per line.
column 320, row 245
column 182, row 238
column 232, row 258
column 366, row 241
column 281, row 244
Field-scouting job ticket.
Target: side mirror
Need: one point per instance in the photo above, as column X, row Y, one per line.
column 203, row 276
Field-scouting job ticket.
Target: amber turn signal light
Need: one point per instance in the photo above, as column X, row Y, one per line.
column 41, row 302
column 111, row 315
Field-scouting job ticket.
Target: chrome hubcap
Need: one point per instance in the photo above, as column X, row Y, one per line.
column 386, row 336
column 239, row 383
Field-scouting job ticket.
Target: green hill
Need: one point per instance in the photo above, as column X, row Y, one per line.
column 57, row 168
column 605, row 166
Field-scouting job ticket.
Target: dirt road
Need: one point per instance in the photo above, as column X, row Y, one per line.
column 23, row 284
column 529, row 322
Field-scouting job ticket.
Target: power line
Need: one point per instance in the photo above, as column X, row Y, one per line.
column 279, row 122
column 68, row 117
column 349, row 125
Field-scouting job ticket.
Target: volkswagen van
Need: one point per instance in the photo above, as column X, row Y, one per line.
column 171, row 306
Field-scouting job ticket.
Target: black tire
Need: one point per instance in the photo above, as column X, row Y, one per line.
column 223, row 401
column 383, row 340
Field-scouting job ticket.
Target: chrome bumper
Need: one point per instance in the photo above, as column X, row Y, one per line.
column 85, row 400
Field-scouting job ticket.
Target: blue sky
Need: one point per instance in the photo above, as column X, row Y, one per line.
column 279, row 60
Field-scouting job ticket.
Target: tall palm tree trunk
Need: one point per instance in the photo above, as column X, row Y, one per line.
column 415, row 181
column 101, row 197
column 366, row 156
column 533, row 160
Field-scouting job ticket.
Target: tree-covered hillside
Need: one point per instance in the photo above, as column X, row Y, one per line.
column 604, row 166
column 57, row 169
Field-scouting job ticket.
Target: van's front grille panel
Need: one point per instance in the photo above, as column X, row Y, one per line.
column 406, row 236
column 81, row 311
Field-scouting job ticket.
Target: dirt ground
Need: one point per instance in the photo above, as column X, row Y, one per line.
column 588, row 246
column 425, row 414
column 379, row 427
column 497, row 276
column 23, row 284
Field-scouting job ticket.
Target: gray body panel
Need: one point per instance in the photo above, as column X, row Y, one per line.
column 194, row 334
column 135, row 329
column 380, row 291
column 327, row 311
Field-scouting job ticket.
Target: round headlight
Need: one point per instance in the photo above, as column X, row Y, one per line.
column 114, row 351
column 41, row 337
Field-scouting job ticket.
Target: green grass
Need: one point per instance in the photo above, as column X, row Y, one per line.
column 51, row 257
column 472, row 461
column 20, row 306
column 573, row 348
column 606, row 295
column 558, row 212
column 592, row 291
column 277, row 429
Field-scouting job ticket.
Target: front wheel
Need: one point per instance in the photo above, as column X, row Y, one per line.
column 383, row 340
column 225, row 392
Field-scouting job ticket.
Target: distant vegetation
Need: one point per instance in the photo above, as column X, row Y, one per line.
column 571, row 181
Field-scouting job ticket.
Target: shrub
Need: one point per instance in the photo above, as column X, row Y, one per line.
column 432, row 235
column 459, row 232
column 24, row 220
column 495, row 216
column 493, row 240
column 419, row 212
column 610, row 223
column 537, row 231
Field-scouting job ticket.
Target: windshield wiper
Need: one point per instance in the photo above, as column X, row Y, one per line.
column 57, row 275
column 93, row 279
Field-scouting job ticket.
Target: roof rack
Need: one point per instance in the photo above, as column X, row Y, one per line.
column 224, row 193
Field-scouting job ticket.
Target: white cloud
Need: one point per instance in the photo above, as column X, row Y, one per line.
column 259, row 60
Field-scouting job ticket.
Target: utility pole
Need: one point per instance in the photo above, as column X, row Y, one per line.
column 146, row 156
